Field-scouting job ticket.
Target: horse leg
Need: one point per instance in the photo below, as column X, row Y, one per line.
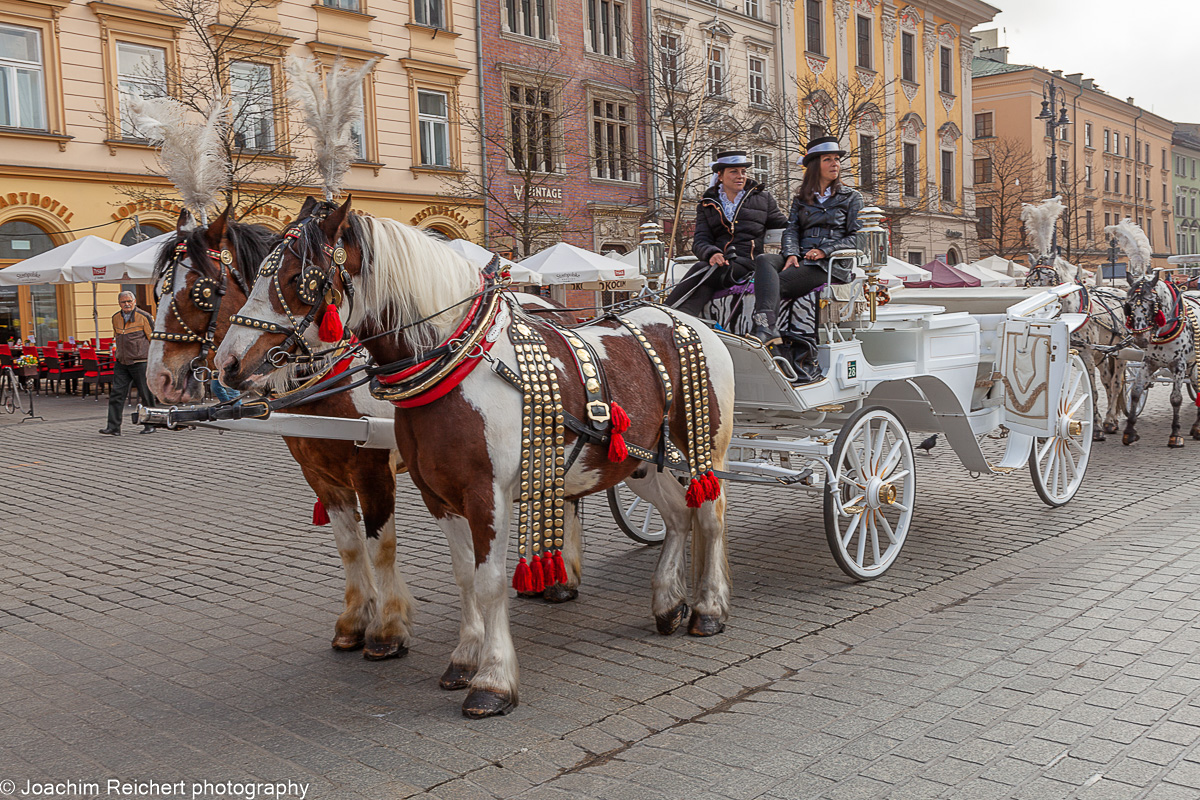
column 1196, row 424
column 493, row 689
column 572, row 556
column 710, row 569
column 1135, row 398
column 465, row 658
column 1112, row 374
column 1175, row 439
column 1097, row 428
column 665, row 493
column 390, row 631
column 359, row 608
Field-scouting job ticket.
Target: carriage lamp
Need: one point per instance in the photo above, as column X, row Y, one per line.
column 651, row 254
column 872, row 239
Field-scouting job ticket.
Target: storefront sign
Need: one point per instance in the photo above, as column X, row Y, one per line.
column 552, row 194
column 440, row 211
column 36, row 200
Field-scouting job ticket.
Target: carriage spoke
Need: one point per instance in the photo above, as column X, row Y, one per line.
column 887, row 528
column 853, row 501
column 862, row 541
column 851, row 481
column 874, row 536
column 1071, row 411
column 898, row 476
column 855, row 462
column 850, row 531
column 1045, row 449
column 1069, row 467
column 1075, row 384
column 1050, row 462
column 1076, row 446
column 900, row 506
column 893, row 458
column 877, row 454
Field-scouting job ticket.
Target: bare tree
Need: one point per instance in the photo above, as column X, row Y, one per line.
column 1007, row 177
column 231, row 55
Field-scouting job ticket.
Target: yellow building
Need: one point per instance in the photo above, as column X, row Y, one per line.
column 894, row 79
column 73, row 165
column 1114, row 158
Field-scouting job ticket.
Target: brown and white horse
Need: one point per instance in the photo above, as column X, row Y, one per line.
column 406, row 295
column 1099, row 336
column 346, row 479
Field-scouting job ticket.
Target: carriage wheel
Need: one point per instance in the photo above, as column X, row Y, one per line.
column 867, row 515
column 1131, row 373
column 637, row 518
column 1057, row 462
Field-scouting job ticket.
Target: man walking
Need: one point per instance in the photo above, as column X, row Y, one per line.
column 131, row 347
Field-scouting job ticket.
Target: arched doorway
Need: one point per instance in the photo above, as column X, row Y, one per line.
column 952, row 257
column 37, row 305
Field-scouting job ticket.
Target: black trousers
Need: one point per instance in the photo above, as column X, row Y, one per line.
column 124, row 376
column 789, row 283
column 703, row 281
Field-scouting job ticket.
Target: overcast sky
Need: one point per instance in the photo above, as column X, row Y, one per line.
column 1145, row 49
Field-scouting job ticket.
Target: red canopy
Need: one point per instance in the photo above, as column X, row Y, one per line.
column 944, row 277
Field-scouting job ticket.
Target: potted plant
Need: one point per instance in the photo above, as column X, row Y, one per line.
column 26, row 366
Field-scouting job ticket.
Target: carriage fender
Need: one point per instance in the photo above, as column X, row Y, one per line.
column 925, row 403
column 1074, row 321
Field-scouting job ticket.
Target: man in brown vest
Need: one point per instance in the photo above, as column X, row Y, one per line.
column 131, row 347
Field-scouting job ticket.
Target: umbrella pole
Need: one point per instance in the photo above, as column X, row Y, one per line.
column 95, row 315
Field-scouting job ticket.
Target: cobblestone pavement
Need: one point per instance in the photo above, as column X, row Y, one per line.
column 166, row 610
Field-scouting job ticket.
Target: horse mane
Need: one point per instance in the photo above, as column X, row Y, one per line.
column 1067, row 272
column 1039, row 219
column 251, row 244
column 1132, row 239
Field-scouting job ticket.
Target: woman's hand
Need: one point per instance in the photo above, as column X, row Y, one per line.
column 792, row 261
column 718, row 260
column 816, row 254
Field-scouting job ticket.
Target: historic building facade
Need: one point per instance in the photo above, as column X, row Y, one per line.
column 562, row 125
column 75, row 163
column 1113, row 158
column 1185, row 153
column 893, row 81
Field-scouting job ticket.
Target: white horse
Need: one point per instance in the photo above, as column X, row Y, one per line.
column 412, row 300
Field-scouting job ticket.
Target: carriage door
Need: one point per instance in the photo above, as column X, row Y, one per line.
column 1033, row 364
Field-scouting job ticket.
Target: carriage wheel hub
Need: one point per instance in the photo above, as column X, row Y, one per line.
column 1075, row 427
column 880, row 493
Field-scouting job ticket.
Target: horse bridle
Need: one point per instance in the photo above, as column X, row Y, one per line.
column 206, row 295
column 315, row 283
column 1156, row 307
column 1041, row 271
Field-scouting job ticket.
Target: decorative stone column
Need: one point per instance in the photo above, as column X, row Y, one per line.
column 841, row 45
column 966, row 54
column 930, row 81
column 892, row 143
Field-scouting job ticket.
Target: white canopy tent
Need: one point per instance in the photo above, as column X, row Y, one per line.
column 575, row 268
column 55, row 266
column 987, row 277
column 905, row 271
column 481, row 256
column 1002, row 265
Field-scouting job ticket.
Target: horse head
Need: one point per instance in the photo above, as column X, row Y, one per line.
column 200, row 279
column 1147, row 304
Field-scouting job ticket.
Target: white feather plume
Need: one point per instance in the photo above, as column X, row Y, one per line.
column 1132, row 239
column 1039, row 219
column 329, row 108
column 192, row 151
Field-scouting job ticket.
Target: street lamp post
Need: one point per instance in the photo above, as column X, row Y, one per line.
column 1053, row 94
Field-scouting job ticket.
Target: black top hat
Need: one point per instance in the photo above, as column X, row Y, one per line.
column 821, row 146
column 731, row 158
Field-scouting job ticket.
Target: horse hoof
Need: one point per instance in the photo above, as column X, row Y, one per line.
column 347, row 641
column 1196, row 432
column 1098, row 435
column 481, row 703
column 529, row 595
column 456, row 677
column 668, row 623
column 559, row 593
column 1129, row 438
column 1111, row 427
column 381, row 649
column 705, row 625
column 1175, row 441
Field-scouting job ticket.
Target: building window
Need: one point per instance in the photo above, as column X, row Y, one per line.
column 1127, row 147
column 606, row 27
column 915, row 257
column 1107, row 176
column 676, row 164
column 1062, row 133
column 1116, row 183
column 1087, row 224
column 984, row 226
column 670, row 57
column 866, row 162
column 429, row 12
column 983, row 170
column 1087, row 134
column 815, row 131
column 1147, row 144
column 141, row 72
column 1107, row 219
column 910, row 170
column 528, row 18
column 1164, row 158
column 252, row 87
column 612, row 131
column 908, row 58
column 1164, row 193
column 1166, row 231
column 716, row 72
column 345, row 5
column 948, row 176
column 758, row 82
column 1106, row 134
column 358, row 127
column 762, row 169
column 946, row 73
column 864, row 42
column 752, row 9
column 813, row 32
column 433, row 118
column 1087, row 176
column 531, row 120
column 22, row 81
column 983, row 126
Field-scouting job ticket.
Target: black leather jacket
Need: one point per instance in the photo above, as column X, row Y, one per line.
column 827, row 226
column 756, row 214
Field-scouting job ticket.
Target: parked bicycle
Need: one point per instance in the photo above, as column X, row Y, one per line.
column 14, row 396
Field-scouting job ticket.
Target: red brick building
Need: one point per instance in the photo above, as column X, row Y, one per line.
column 563, row 131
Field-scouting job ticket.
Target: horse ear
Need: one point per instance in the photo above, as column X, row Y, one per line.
column 1154, row 280
column 310, row 203
column 332, row 224
column 186, row 221
column 215, row 231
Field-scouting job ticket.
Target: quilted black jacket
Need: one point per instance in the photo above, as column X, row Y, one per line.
column 754, row 216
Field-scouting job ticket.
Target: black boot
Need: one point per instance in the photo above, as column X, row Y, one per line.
column 802, row 354
column 764, row 330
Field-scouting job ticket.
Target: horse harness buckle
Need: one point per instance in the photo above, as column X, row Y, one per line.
column 598, row 411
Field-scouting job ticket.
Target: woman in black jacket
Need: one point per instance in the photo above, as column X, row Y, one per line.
column 732, row 219
column 823, row 220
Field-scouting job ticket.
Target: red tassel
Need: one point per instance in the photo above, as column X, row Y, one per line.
column 1160, row 319
column 695, row 493
column 331, row 329
column 537, row 581
column 523, row 577
column 560, row 568
column 712, row 486
column 617, row 451
column 548, row 569
column 620, row 420
column 320, row 517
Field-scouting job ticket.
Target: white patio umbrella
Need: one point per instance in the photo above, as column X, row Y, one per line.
column 566, row 265
column 1002, row 265
column 906, row 271
column 55, row 266
column 481, row 256
column 132, row 264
